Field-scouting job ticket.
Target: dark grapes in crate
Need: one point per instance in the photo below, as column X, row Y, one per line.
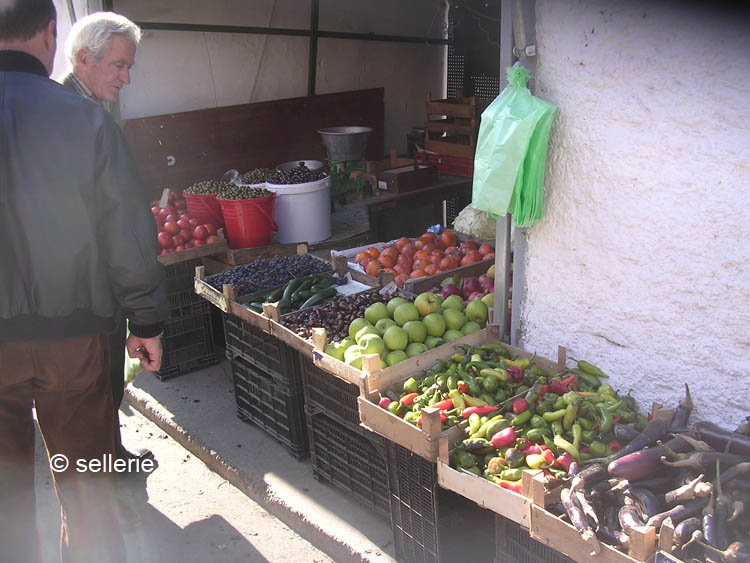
column 264, row 273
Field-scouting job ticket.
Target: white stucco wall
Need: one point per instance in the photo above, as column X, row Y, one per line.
column 641, row 264
column 183, row 71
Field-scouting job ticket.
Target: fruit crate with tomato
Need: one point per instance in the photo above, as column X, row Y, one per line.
column 431, row 524
column 423, row 257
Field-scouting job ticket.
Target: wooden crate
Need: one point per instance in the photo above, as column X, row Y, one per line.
column 232, row 257
column 425, row 441
column 458, row 126
column 192, row 253
column 506, row 503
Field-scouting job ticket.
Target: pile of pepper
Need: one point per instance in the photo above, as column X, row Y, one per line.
column 550, row 423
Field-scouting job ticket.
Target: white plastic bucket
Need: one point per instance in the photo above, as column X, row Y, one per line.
column 303, row 211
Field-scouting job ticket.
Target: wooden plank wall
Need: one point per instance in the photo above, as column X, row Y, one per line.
column 208, row 142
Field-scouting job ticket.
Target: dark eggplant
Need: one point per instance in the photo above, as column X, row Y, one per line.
column 629, row 517
column 723, row 439
column 734, row 472
column 737, row 510
column 645, row 462
column 696, row 488
column 624, row 433
column 614, row 538
column 648, row 502
column 588, row 510
column 656, row 429
column 589, row 476
column 578, row 519
column 737, row 552
column 713, row 523
column 655, row 484
column 678, row 513
column 684, row 530
column 682, row 412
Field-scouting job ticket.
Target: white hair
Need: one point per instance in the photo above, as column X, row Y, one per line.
column 94, row 33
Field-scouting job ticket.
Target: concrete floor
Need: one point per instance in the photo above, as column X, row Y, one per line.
column 183, row 511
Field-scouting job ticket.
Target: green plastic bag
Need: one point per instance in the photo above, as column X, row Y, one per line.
column 512, row 152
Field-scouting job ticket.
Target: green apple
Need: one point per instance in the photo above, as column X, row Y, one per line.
column 489, row 300
column 427, row 303
column 453, row 319
column 357, row 325
column 353, row 357
column 476, row 311
column 415, row 348
column 335, row 350
column 347, row 342
column 433, row 342
column 395, row 337
column 393, row 303
column 395, row 357
column 404, row 313
column 372, row 344
column 382, row 325
column 367, row 329
column 453, row 302
column 435, row 323
column 469, row 327
column 375, row 312
column 416, row 330
column 452, row 334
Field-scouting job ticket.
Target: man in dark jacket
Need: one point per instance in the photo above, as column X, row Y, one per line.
column 101, row 49
column 79, row 242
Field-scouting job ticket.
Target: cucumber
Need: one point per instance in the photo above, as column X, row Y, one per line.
column 257, row 307
column 319, row 297
column 296, row 297
column 325, row 282
column 291, row 287
column 275, row 295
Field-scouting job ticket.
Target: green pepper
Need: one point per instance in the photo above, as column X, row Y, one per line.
column 545, row 405
column 626, row 417
column 551, row 445
column 465, row 459
column 490, row 384
column 511, row 474
column 539, row 372
column 571, row 412
column 538, row 422
column 576, row 431
column 500, row 395
column 522, row 363
column 474, row 423
column 563, row 444
column 585, row 423
column 458, row 400
column 410, row 385
column 411, row 417
column 554, row 415
column 587, row 436
column 591, row 368
column 429, row 381
column 606, row 389
column 587, row 378
column 452, row 382
column 487, row 398
column 598, row 449
column 521, row 419
column 397, row 408
column 492, row 427
column 474, row 388
column 605, row 421
column 556, row 427
column 584, row 457
column 560, row 403
column 537, row 435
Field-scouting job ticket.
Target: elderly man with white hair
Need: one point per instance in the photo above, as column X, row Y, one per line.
column 101, row 50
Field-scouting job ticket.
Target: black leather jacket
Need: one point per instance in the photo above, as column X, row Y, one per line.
column 77, row 238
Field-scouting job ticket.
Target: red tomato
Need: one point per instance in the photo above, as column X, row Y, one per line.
column 178, row 240
column 180, row 204
column 198, row 242
column 210, row 228
column 165, row 241
column 210, row 239
column 155, row 209
column 179, row 247
column 163, row 251
column 185, row 234
column 193, row 222
column 172, row 217
column 163, row 211
column 184, row 222
column 171, row 228
column 200, row 232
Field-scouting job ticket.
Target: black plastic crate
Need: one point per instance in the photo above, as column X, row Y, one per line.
column 181, row 275
column 431, row 524
column 187, row 343
column 351, row 459
column 265, row 352
column 264, row 398
column 185, row 303
column 334, row 396
column 515, row 545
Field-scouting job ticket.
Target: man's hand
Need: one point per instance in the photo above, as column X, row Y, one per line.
column 148, row 350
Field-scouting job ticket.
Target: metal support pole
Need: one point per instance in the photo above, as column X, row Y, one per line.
column 312, row 65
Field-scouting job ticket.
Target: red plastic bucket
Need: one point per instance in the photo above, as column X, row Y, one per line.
column 249, row 222
column 205, row 208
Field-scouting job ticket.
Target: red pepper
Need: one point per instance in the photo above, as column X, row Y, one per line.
column 565, row 460
column 463, row 387
column 511, row 486
column 481, row 411
column 522, row 443
column 384, row 402
column 549, row 457
column 409, row 398
column 444, row 405
column 520, row 405
column 615, row 446
column 569, row 380
column 549, row 478
column 515, row 373
column 557, row 388
column 443, row 418
column 532, row 449
column 615, row 420
column 504, row 438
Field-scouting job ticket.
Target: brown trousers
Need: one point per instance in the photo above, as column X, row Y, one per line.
column 68, row 382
